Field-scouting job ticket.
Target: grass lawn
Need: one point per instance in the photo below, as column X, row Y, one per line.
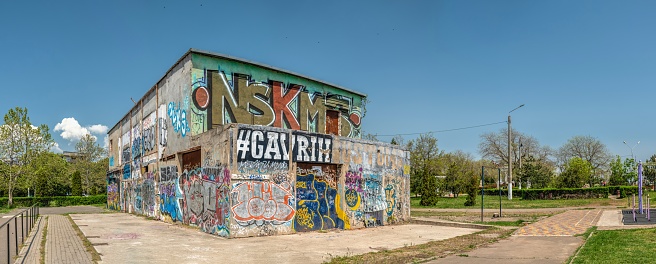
column 619, row 246
column 492, row 202
column 4, row 210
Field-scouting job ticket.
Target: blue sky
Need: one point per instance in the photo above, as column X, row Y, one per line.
column 580, row 67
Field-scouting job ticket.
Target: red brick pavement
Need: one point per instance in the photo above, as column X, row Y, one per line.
column 568, row 223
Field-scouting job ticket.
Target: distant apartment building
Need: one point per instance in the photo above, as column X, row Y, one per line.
column 238, row 149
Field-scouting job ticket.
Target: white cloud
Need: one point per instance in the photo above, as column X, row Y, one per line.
column 98, row 129
column 106, row 142
column 55, row 148
column 72, row 131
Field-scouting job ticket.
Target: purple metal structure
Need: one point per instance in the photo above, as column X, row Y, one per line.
column 640, row 187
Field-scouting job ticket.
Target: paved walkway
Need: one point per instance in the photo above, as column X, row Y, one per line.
column 31, row 252
column 565, row 224
column 63, row 245
column 550, row 240
column 125, row 238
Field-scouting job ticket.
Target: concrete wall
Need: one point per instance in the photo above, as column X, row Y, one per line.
column 178, row 155
column 227, row 91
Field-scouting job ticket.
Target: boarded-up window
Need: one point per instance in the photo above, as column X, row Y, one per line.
column 332, row 122
column 191, row 160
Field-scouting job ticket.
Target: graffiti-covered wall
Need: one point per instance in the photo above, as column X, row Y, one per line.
column 238, row 149
column 227, row 91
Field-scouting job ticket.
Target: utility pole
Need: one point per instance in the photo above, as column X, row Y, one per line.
column 510, row 183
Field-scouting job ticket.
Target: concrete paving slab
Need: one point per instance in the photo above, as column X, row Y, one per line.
column 610, row 218
column 124, row 238
column 521, row 249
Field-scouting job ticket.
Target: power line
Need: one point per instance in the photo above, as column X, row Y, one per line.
column 446, row 130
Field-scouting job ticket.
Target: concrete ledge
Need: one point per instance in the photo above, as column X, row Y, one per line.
column 439, row 222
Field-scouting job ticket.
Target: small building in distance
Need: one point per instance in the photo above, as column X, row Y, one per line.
column 239, row 149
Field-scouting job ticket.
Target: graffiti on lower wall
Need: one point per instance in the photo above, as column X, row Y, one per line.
column 170, row 193
column 144, row 195
column 262, row 207
column 113, row 192
column 206, row 204
column 318, row 205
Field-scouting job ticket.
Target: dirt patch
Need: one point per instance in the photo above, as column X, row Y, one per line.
column 430, row 250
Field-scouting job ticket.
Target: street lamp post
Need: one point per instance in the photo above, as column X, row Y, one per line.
column 639, row 175
column 631, row 148
column 510, row 154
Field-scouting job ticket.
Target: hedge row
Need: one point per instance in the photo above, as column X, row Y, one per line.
column 55, row 201
column 566, row 193
column 623, row 190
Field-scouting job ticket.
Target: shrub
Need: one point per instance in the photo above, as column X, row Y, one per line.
column 55, row 201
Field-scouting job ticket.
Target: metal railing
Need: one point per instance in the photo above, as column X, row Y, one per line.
column 10, row 245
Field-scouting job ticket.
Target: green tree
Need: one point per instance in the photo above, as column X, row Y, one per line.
column 586, row 148
column 650, row 171
column 536, row 173
column 76, row 184
column 630, row 171
column 90, row 153
column 50, row 175
column 471, row 188
column 617, row 173
column 20, row 143
column 424, row 156
column 576, row 174
column 460, row 166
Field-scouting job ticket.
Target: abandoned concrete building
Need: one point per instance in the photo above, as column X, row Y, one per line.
column 240, row 149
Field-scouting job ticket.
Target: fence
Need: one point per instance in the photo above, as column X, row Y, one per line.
column 14, row 231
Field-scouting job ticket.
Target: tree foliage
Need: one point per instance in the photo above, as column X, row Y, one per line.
column 89, row 165
column 586, row 148
column 50, row 175
column 424, row 156
column 577, row 173
column 494, row 147
column 536, row 173
column 20, row 144
column 460, row 167
column 650, row 171
column 76, row 184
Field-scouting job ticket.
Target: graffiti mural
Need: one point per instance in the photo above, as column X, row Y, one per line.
column 178, row 118
column 113, row 192
column 238, row 98
column 200, row 96
column 137, row 151
column 126, row 171
column 317, row 201
column 124, row 144
column 206, row 193
column 262, row 170
column 149, row 133
column 263, row 145
column 162, row 124
column 262, row 202
column 170, row 193
column 374, row 196
column 353, row 191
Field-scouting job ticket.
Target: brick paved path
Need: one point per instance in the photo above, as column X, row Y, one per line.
column 63, row 245
column 565, row 224
column 31, row 253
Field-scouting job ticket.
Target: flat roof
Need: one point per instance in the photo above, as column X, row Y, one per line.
column 223, row 56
